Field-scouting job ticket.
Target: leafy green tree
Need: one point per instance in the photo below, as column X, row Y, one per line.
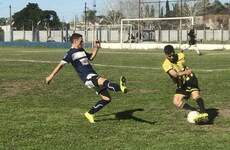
column 33, row 17
column 50, row 19
column 3, row 21
column 91, row 16
column 27, row 17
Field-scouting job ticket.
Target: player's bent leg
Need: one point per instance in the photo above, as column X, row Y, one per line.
column 90, row 117
column 108, row 85
column 178, row 100
column 180, row 104
column 185, row 47
column 123, row 83
column 200, row 102
column 105, row 99
column 203, row 116
column 113, row 86
column 197, row 50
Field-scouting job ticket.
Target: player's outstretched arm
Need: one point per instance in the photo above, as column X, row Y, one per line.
column 95, row 49
column 54, row 72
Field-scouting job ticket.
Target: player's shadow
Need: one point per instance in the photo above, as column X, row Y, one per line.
column 125, row 115
column 212, row 114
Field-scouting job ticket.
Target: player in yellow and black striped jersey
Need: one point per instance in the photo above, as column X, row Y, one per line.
column 187, row 83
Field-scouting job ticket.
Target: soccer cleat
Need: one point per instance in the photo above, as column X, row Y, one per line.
column 202, row 117
column 123, row 84
column 90, row 117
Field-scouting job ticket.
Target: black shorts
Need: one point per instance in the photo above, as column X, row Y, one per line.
column 93, row 83
column 188, row 87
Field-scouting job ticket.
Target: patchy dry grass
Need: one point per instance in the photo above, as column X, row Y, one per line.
column 36, row 116
column 14, row 87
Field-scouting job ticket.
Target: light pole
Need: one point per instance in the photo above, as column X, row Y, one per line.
column 139, row 15
column 37, row 31
column 32, row 29
column 11, row 29
column 85, row 19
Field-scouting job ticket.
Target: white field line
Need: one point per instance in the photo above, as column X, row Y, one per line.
column 103, row 52
column 120, row 52
column 103, row 65
column 217, row 54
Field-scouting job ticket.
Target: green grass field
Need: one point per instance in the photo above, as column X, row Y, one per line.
column 37, row 116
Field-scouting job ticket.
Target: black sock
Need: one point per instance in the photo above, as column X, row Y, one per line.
column 188, row 107
column 111, row 86
column 200, row 103
column 98, row 106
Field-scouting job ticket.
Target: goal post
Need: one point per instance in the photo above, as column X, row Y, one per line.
column 168, row 21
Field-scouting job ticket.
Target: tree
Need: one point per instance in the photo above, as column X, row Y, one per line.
column 147, row 14
column 186, row 10
column 176, row 12
column 3, row 21
column 167, row 9
column 128, row 8
column 201, row 7
column 162, row 12
column 152, row 11
column 91, row 16
column 216, row 8
column 50, row 19
column 113, row 17
column 32, row 16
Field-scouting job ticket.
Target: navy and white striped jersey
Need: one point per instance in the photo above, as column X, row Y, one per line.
column 79, row 59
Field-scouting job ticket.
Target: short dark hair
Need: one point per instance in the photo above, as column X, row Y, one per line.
column 75, row 36
column 168, row 49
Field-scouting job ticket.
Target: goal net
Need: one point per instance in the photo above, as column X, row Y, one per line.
column 159, row 30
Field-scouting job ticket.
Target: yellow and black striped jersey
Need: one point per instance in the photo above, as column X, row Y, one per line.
column 178, row 66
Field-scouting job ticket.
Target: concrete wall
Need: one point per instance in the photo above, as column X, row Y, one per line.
column 161, row 46
column 114, row 35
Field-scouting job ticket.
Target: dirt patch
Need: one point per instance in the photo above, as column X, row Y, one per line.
column 12, row 88
column 224, row 112
column 144, row 91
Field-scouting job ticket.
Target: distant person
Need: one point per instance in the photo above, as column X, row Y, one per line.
column 79, row 59
column 187, row 82
column 193, row 42
column 132, row 38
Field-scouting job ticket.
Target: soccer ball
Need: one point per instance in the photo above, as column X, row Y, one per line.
column 191, row 116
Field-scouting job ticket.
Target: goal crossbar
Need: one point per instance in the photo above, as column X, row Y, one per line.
column 153, row 19
column 150, row 19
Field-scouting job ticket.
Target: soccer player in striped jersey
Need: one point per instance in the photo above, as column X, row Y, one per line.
column 80, row 60
column 187, row 82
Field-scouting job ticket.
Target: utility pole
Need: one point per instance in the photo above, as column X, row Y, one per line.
column 139, row 15
column 75, row 19
column 85, row 19
column 204, row 20
column 95, row 33
column 11, row 29
column 159, row 5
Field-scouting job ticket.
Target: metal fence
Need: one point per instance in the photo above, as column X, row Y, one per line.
column 113, row 36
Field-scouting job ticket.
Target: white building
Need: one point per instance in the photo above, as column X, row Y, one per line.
column 5, row 28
